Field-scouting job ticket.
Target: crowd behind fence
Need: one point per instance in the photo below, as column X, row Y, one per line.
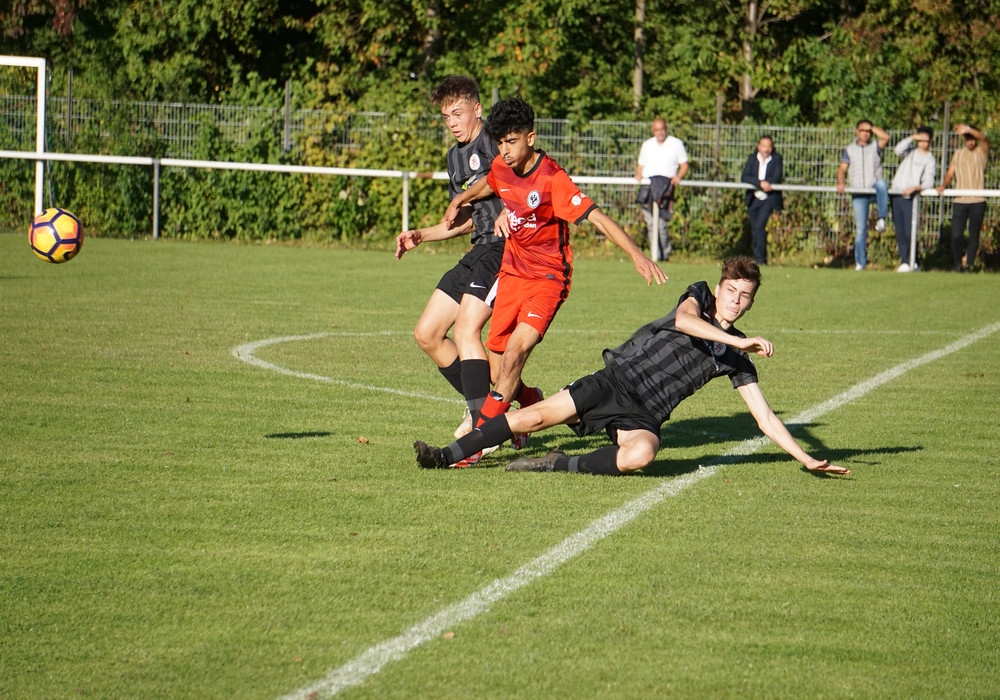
column 717, row 152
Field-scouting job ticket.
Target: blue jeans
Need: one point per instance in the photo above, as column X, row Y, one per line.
column 861, row 204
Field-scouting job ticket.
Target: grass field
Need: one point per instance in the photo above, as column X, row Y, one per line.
column 176, row 522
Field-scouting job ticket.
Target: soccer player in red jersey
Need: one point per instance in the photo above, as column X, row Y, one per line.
column 537, row 268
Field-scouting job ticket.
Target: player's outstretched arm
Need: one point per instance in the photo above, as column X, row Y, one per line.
column 649, row 270
column 773, row 428
column 408, row 240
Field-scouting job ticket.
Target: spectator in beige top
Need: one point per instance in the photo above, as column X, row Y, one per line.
column 968, row 167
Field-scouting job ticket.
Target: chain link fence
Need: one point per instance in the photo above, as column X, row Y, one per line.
column 717, row 153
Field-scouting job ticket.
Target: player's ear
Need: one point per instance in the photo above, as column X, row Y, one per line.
column 531, row 138
column 479, row 110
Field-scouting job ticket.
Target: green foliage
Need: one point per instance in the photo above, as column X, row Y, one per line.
column 807, row 61
column 113, row 200
column 719, row 228
column 233, row 204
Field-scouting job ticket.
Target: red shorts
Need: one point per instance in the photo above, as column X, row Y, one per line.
column 518, row 300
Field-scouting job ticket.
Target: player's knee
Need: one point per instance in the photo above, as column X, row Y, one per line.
column 526, row 420
column 426, row 337
column 421, row 338
column 468, row 334
column 635, row 456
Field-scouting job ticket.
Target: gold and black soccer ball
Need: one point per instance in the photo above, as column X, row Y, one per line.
column 55, row 235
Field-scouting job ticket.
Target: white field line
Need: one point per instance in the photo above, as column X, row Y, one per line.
column 246, row 352
column 370, row 662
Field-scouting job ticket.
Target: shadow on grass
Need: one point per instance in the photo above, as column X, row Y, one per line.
column 703, row 432
column 297, row 436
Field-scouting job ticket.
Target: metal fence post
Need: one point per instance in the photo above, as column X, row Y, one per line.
column 287, row 136
column 406, row 201
column 654, row 232
column 156, row 198
column 943, row 167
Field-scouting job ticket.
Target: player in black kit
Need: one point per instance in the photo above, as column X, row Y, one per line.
column 461, row 299
column 641, row 383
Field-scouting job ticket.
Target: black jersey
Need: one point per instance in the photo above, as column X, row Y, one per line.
column 661, row 366
column 467, row 163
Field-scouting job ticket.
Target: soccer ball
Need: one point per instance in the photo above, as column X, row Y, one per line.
column 55, row 235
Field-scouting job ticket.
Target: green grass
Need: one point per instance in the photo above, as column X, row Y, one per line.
column 177, row 523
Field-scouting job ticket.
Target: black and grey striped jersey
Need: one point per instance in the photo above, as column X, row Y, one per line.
column 467, row 163
column 662, row 366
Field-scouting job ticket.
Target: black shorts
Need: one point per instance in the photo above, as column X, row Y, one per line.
column 601, row 403
column 475, row 273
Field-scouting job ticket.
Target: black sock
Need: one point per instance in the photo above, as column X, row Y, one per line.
column 603, row 461
column 492, row 432
column 475, row 384
column 453, row 373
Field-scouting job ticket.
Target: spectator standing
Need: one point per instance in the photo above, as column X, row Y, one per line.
column 914, row 174
column 763, row 169
column 968, row 169
column 663, row 159
column 861, row 162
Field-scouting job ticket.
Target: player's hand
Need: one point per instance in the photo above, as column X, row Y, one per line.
column 501, row 227
column 821, row 465
column 451, row 214
column 407, row 240
column 650, row 271
column 757, row 345
column 841, row 188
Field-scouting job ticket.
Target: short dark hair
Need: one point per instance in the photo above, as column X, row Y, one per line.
column 510, row 116
column 741, row 267
column 926, row 130
column 455, row 88
column 863, row 121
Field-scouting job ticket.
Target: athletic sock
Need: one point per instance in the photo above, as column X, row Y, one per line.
column 453, row 373
column 493, row 432
column 602, row 461
column 528, row 395
column 492, row 407
column 475, row 385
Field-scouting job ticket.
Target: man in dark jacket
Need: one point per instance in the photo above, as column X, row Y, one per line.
column 763, row 169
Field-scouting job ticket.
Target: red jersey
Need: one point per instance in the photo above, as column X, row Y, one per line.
column 539, row 204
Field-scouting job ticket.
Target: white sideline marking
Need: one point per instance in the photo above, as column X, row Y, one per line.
column 370, row 662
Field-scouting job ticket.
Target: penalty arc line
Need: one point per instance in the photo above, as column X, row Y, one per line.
column 370, row 662
column 246, row 354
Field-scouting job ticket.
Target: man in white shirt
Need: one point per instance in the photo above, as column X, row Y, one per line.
column 663, row 160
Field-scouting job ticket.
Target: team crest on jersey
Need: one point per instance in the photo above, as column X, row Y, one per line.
column 576, row 200
column 474, row 162
column 534, row 199
column 718, row 349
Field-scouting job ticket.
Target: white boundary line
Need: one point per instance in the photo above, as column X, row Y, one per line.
column 370, row 662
